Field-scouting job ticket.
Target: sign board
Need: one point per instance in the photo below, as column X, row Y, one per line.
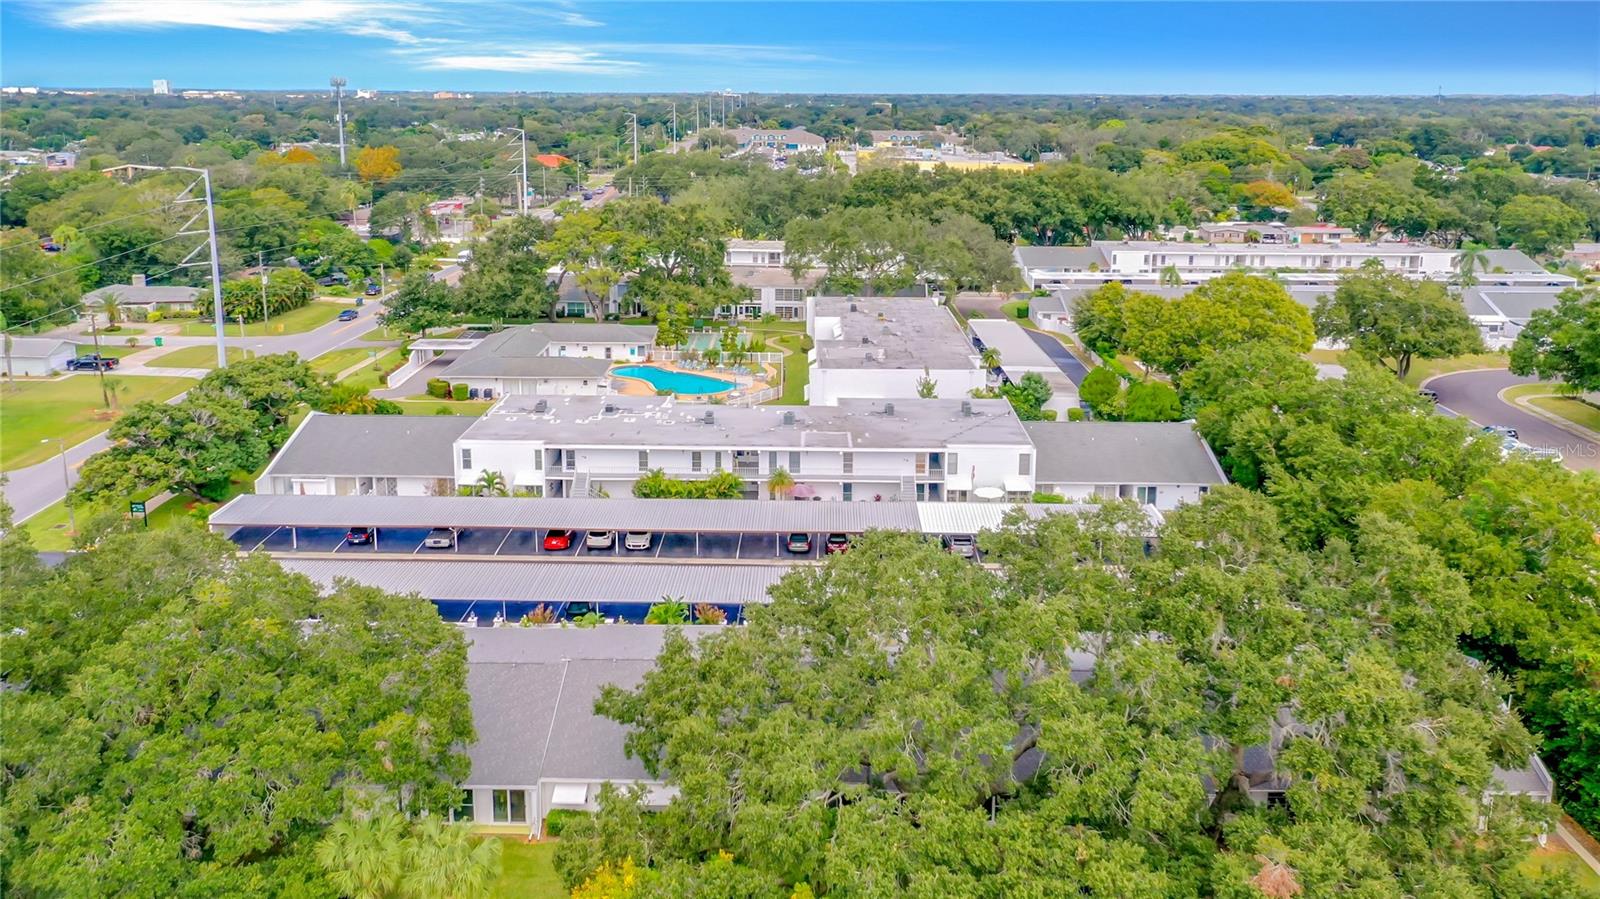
column 136, row 508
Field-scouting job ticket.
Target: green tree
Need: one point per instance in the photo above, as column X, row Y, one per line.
column 1234, row 309
column 248, row 702
column 419, row 304
column 668, row 611
column 1028, row 396
column 492, row 483
column 989, row 358
column 1540, row 225
column 927, row 387
column 1100, row 388
column 1388, row 316
column 1473, row 258
column 507, row 278
column 1562, row 343
column 1151, row 401
column 779, row 483
column 377, row 854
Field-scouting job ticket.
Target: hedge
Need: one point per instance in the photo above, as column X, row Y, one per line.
column 438, row 387
column 458, row 391
column 559, row 818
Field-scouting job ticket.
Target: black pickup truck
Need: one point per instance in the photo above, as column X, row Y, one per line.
column 93, row 362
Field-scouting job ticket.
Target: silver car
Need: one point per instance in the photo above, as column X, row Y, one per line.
column 440, row 538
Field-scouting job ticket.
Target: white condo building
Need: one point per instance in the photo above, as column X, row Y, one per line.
column 882, row 347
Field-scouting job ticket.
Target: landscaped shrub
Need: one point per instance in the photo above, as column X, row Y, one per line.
column 458, row 391
column 1074, row 414
column 438, row 387
column 541, row 614
column 1049, row 498
column 705, row 613
column 559, row 818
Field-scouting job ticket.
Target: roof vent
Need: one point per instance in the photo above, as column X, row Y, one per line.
column 709, row 418
column 888, row 408
column 865, row 340
column 788, row 418
column 608, row 409
column 541, row 406
column 853, row 308
column 966, row 407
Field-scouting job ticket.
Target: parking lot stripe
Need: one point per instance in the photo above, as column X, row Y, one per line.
column 503, row 542
column 270, row 535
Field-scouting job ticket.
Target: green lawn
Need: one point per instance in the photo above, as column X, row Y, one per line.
column 112, row 350
column 337, row 361
column 1422, row 369
column 194, row 357
column 1011, row 310
column 381, row 334
column 295, row 321
column 1554, row 860
column 70, row 408
column 1570, row 408
column 49, row 530
column 432, row 406
column 124, row 331
column 796, row 371
column 369, row 376
column 527, row 871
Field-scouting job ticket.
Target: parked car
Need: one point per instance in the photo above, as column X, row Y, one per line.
column 373, row 289
column 93, row 362
column 1500, row 431
column 798, row 543
column 636, row 540
column 837, row 543
column 348, row 315
column 556, row 541
column 1429, row 393
column 962, row 545
column 588, row 195
column 50, row 246
column 332, row 279
column 358, row 536
column 600, row 539
column 440, row 538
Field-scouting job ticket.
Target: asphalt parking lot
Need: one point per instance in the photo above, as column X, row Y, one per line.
column 523, row 542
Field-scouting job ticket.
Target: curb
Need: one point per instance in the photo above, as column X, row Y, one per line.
column 1522, row 404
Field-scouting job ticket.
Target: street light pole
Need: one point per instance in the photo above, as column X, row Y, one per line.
column 261, row 263
column 66, row 482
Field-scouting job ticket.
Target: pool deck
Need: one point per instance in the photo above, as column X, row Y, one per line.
column 627, row 386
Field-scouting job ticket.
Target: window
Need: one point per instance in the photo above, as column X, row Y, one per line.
column 538, row 460
column 774, row 258
column 847, row 491
column 644, row 460
column 695, row 461
column 788, row 294
column 510, row 807
column 794, row 463
column 463, row 810
column 1025, row 463
column 1146, row 495
column 466, row 458
column 849, row 463
column 953, row 464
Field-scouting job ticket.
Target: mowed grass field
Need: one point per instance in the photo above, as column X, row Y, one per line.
column 70, row 408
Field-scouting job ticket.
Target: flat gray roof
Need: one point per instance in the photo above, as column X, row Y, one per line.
column 377, row 445
column 854, row 423
column 567, row 580
column 1118, row 452
column 1017, row 350
column 620, row 514
column 1305, row 295
column 1514, row 303
column 1510, row 261
column 890, row 333
column 520, row 352
column 1070, row 258
column 774, row 276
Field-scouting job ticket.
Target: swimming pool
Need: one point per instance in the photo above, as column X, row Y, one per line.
column 675, row 381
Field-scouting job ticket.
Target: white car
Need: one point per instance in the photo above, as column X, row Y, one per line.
column 636, row 540
column 440, row 538
column 961, row 544
column 600, row 539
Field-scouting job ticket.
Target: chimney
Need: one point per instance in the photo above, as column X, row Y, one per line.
column 966, row 407
column 888, row 408
column 138, row 280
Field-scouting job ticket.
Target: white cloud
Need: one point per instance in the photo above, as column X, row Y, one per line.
column 353, row 16
column 534, row 59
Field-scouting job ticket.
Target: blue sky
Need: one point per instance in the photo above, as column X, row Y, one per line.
column 809, row 47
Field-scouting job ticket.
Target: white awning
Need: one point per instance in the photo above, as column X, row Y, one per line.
column 570, row 795
column 1017, row 483
column 958, row 481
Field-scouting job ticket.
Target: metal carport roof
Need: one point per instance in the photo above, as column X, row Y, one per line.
column 563, row 581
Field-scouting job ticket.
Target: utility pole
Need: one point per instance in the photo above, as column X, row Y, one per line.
column 634, row 117
column 674, row 121
column 338, row 99
column 210, row 244
column 261, row 263
column 100, row 368
column 697, row 113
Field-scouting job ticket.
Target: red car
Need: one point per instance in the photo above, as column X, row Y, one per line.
column 837, row 543
column 556, row 541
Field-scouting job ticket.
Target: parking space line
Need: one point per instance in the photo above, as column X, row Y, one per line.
column 503, row 541
column 660, row 543
column 270, row 534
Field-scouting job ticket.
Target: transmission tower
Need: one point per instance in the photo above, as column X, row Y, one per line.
column 338, row 99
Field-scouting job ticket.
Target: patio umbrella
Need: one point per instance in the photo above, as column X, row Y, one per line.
column 802, row 491
column 988, row 493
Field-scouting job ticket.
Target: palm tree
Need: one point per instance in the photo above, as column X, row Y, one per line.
column 111, row 306
column 779, row 482
column 1472, row 259
column 989, row 358
column 492, row 483
column 448, row 861
column 364, row 857
column 1170, row 277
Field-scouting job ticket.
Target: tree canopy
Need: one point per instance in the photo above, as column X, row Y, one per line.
column 1395, row 319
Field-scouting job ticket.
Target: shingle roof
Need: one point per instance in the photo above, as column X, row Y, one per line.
column 521, row 352
column 38, row 347
column 1077, row 258
column 132, row 295
column 1514, row 303
column 378, row 445
column 1115, row 452
column 1510, row 261
column 533, row 691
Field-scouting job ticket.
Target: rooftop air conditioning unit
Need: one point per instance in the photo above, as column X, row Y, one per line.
column 541, row 406
column 788, row 418
column 888, row 408
column 709, row 418
column 966, row 407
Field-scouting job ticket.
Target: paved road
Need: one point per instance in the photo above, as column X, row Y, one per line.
column 31, row 490
column 1475, row 396
column 1061, row 356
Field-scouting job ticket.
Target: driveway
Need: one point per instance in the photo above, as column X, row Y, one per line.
column 1475, row 395
column 1060, row 355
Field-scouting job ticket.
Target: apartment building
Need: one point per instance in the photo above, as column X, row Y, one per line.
column 792, row 140
column 760, row 268
column 932, row 450
column 366, row 455
column 1142, row 263
column 546, row 359
column 884, row 347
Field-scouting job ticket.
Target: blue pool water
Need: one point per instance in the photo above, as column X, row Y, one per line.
column 675, row 381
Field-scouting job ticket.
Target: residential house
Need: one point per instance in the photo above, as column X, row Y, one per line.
column 366, row 455
column 546, row 359
column 36, row 356
column 792, row 140
column 1160, row 464
column 137, row 299
column 883, row 348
